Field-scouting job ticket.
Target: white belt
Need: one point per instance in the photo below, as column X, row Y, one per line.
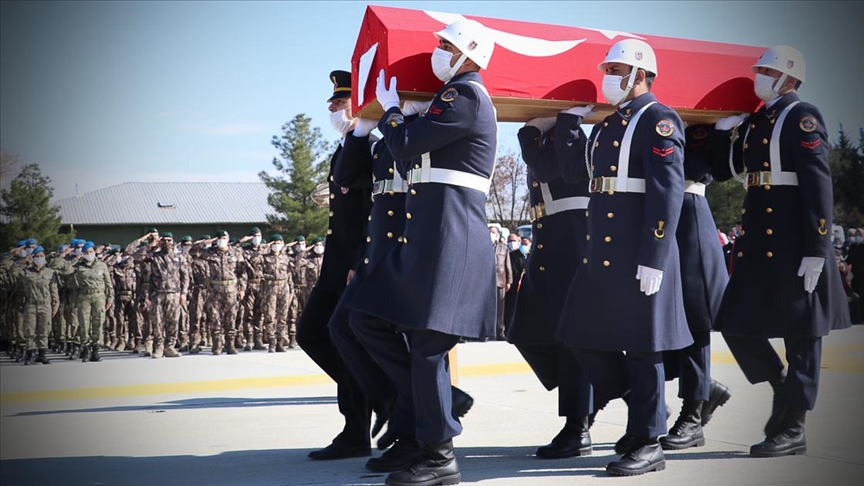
column 611, row 185
column 557, row 206
column 769, row 179
column 694, row 188
column 389, row 186
column 449, row 176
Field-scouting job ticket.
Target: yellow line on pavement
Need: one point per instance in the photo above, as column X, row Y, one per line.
column 844, row 358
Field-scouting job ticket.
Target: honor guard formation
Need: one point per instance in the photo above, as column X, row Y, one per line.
column 615, row 292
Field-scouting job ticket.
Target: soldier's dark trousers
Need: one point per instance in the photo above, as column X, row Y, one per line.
column 420, row 372
column 555, row 366
column 759, row 362
column 510, row 307
column 313, row 336
column 499, row 315
column 611, row 373
column 692, row 367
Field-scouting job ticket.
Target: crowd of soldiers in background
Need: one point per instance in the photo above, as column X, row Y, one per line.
column 154, row 298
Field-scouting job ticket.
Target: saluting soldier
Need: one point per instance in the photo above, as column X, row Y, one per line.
column 169, row 285
column 277, row 292
column 94, row 297
column 557, row 213
column 439, row 284
column 251, row 317
column 198, row 293
column 139, row 249
column 37, row 284
column 777, row 289
column 62, row 266
column 349, row 208
column 226, row 273
column 617, row 303
column 125, row 310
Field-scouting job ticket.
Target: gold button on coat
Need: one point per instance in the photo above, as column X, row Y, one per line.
column 329, row 231
column 769, row 231
column 332, row 196
column 539, row 225
column 740, row 254
column 390, row 170
column 587, row 237
column 535, row 184
column 606, row 263
column 542, row 268
column 389, row 234
column 540, row 246
column 607, row 239
column 769, row 210
column 764, row 141
column 610, row 215
column 331, row 214
column 769, row 254
column 615, row 143
column 585, row 261
column 408, row 215
column 613, row 168
column 368, row 239
column 624, row 122
column 413, row 192
column 366, row 261
column 390, row 213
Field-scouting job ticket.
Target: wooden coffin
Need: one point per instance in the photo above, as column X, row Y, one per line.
column 539, row 69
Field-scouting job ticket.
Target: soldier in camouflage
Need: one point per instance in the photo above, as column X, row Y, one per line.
column 226, row 272
column 94, row 296
column 125, row 311
column 169, row 285
column 197, row 294
column 140, row 249
column 277, row 293
column 251, row 318
column 37, row 284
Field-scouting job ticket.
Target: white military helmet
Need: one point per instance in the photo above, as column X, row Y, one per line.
column 785, row 59
column 470, row 37
column 633, row 52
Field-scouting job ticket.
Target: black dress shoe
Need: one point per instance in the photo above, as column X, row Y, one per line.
column 404, row 454
column 687, row 431
column 641, row 458
column 624, row 444
column 340, row 450
column 574, row 440
column 436, row 466
column 789, row 441
column 718, row 395
column 462, row 402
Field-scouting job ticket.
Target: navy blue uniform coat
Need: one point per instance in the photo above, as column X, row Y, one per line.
column 781, row 224
column 442, row 276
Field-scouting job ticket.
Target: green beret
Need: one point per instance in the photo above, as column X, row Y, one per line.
column 300, row 238
column 167, row 234
column 152, row 230
column 114, row 251
column 205, row 237
column 318, row 240
column 276, row 237
column 254, row 231
column 186, row 238
column 221, row 233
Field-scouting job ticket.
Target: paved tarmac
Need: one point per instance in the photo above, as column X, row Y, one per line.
column 251, row 419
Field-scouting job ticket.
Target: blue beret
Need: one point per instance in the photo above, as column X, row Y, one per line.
column 61, row 248
column 32, row 241
column 22, row 243
column 87, row 246
column 38, row 249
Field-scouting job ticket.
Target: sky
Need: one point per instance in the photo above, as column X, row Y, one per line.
column 101, row 93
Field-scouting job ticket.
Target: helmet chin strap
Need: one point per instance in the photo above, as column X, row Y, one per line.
column 456, row 67
column 632, row 81
column 778, row 85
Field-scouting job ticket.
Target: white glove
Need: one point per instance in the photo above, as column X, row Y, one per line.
column 542, row 124
column 387, row 98
column 414, row 107
column 364, row 126
column 810, row 269
column 730, row 122
column 582, row 111
column 649, row 279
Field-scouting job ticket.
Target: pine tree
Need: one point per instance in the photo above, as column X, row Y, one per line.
column 302, row 164
column 847, row 173
column 27, row 211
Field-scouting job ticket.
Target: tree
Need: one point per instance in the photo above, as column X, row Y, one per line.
column 847, row 173
column 302, row 163
column 508, row 194
column 725, row 200
column 27, row 211
column 7, row 164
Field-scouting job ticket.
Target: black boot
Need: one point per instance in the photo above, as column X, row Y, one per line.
column 94, row 354
column 340, row 449
column 42, row 358
column 462, row 402
column 687, row 431
column 28, row 357
column 73, row 351
column 404, row 454
column 718, row 395
column 789, row 440
column 645, row 455
column 778, row 408
column 436, row 466
column 85, row 354
column 574, row 440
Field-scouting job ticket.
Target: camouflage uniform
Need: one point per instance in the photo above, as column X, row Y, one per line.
column 6, row 313
column 252, row 311
column 125, row 310
column 142, row 297
column 198, row 296
column 226, row 272
column 93, row 292
column 38, row 288
column 62, row 266
column 169, row 281
column 277, row 294
column 307, row 267
column 67, row 315
column 109, row 334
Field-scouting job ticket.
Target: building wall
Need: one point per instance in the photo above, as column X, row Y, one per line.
column 123, row 235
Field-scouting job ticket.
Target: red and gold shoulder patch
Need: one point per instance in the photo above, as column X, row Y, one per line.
column 665, row 128
column 449, row 95
column 808, row 124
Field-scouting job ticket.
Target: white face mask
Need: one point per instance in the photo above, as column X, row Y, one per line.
column 256, row 240
column 301, row 247
column 493, row 237
column 89, row 257
column 222, row 243
column 318, row 249
column 277, row 248
column 763, row 86
column 612, row 89
column 514, row 245
column 441, row 64
column 39, row 261
column 340, row 122
column 22, row 253
column 120, row 259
